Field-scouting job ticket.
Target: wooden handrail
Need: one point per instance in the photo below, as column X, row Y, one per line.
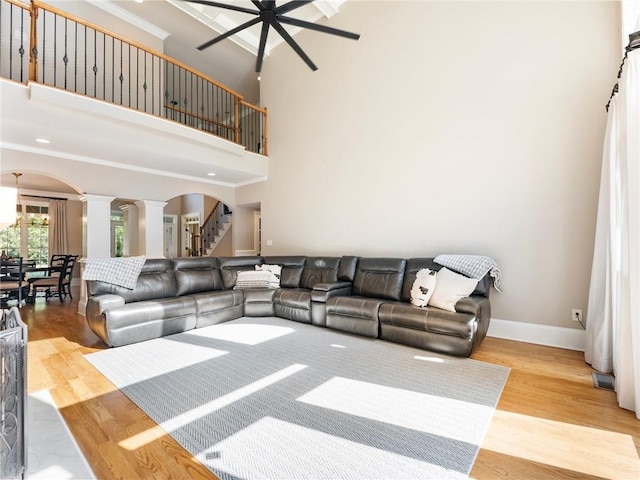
column 135, row 44
column 199, row 117
column 202, row 249
column 254, row 107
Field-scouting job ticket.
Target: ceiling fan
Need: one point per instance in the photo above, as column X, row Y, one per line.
column 273, row 16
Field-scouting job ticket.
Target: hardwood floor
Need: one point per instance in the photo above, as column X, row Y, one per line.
column 550, row 423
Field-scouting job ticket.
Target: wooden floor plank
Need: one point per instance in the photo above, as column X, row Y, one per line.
column 550, row 423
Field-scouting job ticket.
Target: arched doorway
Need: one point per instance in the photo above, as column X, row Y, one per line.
column 203, row 225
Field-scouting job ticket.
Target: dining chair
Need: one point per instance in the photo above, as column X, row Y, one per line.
column 13, row 284
column 56, row 285
column 56, row 264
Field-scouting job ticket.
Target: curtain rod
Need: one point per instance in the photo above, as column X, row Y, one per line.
column 634, row 44
column 41, row 196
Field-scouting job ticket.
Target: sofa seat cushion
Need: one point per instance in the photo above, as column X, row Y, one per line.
column 293, row 297
column 293, row 304
column 218, row 307
column 354, row 314
column 259, row 302
column 139, row 321
column 427, row 319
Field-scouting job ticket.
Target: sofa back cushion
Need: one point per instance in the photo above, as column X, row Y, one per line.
column 319, row 270
column 197, row 274
column 415, row 264
column 230, row 266
column 292, row 267
column 156, row 280
column 379, row 278
column 347, row 269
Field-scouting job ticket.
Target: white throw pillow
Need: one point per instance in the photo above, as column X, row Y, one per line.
column 276, row 271
column 423, row 287
column 451, row 287
column 249, row 279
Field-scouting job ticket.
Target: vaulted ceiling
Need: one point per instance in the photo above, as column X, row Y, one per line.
column 183, row 26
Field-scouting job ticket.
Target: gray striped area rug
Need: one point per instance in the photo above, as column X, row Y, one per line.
column 270, row 398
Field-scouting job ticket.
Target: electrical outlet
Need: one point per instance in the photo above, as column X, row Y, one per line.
column 576, row 315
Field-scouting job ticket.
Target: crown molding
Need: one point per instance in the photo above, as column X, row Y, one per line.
column 129, row 17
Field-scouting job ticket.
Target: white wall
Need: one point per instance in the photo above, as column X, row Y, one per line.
column 449, row 127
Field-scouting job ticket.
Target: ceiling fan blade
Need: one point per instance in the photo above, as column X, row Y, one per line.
column 292, row 43
column 229, row 33
column 287, row 7
column 223, row 5
column 320, row 28
column 259, row 4
column 263, row 44
column 271, row 4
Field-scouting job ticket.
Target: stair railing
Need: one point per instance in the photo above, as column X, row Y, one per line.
column 43, row 44
column 213, row 225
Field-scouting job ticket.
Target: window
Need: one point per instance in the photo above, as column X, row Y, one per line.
column 29, row 236
column 117, row 234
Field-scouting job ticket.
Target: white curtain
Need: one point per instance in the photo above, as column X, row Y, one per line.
column 58, row 227
column 613, row 315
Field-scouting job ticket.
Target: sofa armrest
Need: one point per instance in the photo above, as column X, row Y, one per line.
column 328, row 287
column 476, row 305
column 323, row 291
column 101, row 303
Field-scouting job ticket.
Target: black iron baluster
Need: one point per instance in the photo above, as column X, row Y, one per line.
column 21, row 49
column 121, row 78
column 95, row 63
column 75, row 58
column 104, row 66
column 65, row 59
column 145, row 81
column 166, row 88
column 153, row 84
column 129, row 72
column 44, row 36
column 11, row 41
column 55, row 50
column 113, row 70
column 85, row 59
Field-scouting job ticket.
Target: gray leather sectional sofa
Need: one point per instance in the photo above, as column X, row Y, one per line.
column 363, row 296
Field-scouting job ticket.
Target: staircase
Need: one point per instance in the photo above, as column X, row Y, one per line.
column 215, row 228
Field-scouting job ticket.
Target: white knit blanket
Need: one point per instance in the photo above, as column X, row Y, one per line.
column 474, row 266
column 121, row 271
column 248, row 279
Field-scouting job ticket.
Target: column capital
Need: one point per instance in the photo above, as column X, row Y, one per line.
column 89, row 197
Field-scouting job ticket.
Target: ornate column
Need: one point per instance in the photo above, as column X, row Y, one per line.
column 151, row 228
column 96, row 234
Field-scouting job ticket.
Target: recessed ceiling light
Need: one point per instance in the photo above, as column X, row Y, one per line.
column 42, row 140
column 138, row 1
column 259, row 78
column 211, row 174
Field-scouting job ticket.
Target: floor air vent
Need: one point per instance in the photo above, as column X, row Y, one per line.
column 601, row 380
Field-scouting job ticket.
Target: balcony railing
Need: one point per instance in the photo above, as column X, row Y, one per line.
column 42, row 44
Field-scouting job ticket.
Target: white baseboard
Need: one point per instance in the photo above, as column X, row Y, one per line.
column 551, row 336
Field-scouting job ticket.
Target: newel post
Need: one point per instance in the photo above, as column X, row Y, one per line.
column 33, row 39
column 266, row 133
column 236, row 122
